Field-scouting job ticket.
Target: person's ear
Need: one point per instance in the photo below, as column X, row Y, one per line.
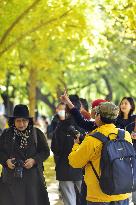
column 99, row 119
column 93, row 114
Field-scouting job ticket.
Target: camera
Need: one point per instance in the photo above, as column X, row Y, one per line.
column 73, row 132
column 18, row 171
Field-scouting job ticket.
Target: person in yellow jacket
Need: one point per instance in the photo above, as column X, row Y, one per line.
column 90, row 150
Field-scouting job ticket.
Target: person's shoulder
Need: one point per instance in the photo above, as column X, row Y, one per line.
column 38, row 132
column 119, row 118
column 55, row 118
column 133, row 117
column 91, row 143
column 89, row 138
column 7, row 130
column 6, row 133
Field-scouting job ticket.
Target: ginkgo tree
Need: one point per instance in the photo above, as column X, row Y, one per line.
column 78, row 45
column 27, row 37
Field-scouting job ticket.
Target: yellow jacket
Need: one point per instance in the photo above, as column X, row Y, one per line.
column 90, row 150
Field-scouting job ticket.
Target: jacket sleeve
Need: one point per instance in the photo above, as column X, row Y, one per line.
column 81, row 154
column 43, row 151
column 81, row 122
column 3, row 154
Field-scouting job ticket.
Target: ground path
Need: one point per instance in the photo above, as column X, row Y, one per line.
column 52, row 184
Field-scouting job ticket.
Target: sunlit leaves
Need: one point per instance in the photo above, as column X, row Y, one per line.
column 72, row 44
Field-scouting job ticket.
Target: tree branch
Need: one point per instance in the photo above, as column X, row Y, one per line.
column 99, row 90
column 16, row 21
column 45, row 99
column 109, row 87
column 125, row 87
column 33, row 30
column 83, row 86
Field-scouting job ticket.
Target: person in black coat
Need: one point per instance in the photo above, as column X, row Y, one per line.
column 127, row 120
column 87, row 125
column 62, row 142
column 23, row 149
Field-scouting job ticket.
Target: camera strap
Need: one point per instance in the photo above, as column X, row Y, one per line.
column 35, row 136
column 12, row 146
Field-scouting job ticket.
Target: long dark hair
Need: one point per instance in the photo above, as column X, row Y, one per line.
column 132, row 103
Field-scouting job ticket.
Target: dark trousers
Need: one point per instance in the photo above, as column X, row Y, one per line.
column 83, row 193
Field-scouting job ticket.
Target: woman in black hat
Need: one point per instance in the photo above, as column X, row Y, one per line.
column 23, row 149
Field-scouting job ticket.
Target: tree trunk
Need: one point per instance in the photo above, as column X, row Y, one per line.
column 109, row 88
column 7, row 96
column 47, row 99
column 32, row 91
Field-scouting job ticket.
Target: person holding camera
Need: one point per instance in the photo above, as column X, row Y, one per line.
column 82, row 122
column 87, row 125
column 90, row 154
column 70, row 179
column 23, row 148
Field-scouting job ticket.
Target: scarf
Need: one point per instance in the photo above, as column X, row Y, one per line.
column 24, row 135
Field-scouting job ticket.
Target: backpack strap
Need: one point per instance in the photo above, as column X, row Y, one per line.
column 121, row 134
column 35, row 136
column 100, row 137
column 94, row 170
column 103, row 139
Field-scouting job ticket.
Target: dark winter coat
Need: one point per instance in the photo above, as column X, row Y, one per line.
column 30, row 189
column 127, row 124
column 51, row 128
column 81, row 122
column 61, row 146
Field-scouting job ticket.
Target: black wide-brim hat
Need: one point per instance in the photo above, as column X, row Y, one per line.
column 20, row 111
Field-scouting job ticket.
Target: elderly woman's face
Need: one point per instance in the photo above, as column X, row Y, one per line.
column 21, row 123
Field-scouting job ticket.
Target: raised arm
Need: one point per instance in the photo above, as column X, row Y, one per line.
column 81, row 122
column 65, row 99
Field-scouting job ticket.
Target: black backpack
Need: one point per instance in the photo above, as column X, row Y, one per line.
column 118, row 165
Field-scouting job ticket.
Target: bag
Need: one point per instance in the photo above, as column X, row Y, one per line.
column 118, row 165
